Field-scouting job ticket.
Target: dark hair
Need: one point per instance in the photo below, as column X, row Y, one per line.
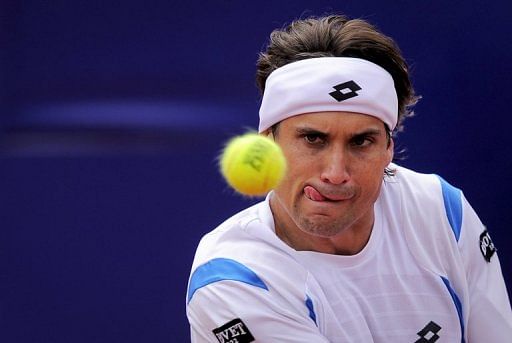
column 337, row 36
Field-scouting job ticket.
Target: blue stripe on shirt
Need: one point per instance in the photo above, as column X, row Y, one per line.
column 220, row 269
column 453, row 206
column 458, row 305
column 309, row 305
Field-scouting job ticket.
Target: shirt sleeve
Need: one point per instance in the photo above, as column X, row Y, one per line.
column 233, row 311
column 490, row 315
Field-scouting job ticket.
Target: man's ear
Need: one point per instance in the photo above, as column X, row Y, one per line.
column 391, row 150
column 268, row 133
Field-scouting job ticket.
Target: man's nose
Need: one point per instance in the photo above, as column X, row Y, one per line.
column 335, row 167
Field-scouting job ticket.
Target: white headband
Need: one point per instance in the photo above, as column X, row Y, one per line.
column 329, row 84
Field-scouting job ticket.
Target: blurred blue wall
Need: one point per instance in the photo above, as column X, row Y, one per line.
column 112, row 115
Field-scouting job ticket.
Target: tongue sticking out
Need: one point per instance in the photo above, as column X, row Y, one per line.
column 313, row 194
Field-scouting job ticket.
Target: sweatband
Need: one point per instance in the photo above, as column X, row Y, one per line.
column 329, row 84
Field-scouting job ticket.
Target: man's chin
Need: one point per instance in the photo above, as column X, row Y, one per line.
column 320, row 225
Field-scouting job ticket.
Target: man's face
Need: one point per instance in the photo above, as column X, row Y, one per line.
column 336, row 163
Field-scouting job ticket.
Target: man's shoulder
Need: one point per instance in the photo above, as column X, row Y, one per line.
column 423, row 186
column 404, row 174
column 426, row 200
column 230, row 232
column 245, row 248
column 427, row 204
column 247, row 237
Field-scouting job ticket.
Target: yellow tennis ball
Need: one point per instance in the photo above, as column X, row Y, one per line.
column 252, row 164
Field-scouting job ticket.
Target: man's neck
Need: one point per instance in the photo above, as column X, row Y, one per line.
column 349, row 241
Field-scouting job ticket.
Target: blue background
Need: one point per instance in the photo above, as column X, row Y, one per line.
column 112, row 115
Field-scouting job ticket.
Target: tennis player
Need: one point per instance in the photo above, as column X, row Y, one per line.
column 350, row 247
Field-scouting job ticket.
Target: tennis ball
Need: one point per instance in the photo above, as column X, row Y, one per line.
column 252, row 164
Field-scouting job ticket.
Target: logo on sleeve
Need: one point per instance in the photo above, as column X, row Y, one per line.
column 487, row 246
column 234, row 331
column 345, row 90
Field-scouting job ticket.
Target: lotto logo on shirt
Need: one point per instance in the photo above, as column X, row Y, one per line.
column 234, row 331
column 487, row 246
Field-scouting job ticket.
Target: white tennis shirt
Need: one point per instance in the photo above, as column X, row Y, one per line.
column 428, row 272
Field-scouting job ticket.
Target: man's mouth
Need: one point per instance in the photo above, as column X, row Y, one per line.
column 315, row 195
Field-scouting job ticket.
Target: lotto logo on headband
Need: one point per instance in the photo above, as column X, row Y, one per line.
column 345, row 90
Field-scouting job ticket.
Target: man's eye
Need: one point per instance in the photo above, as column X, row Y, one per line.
column 313, row 138
column 361, row 141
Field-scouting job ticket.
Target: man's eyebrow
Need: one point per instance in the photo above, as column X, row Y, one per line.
column 309, row 131
column 367, row 132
